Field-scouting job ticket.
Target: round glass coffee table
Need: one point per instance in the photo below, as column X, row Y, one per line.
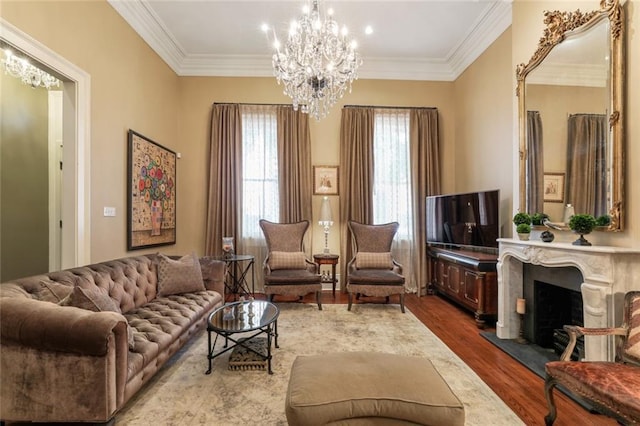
column 257, row 317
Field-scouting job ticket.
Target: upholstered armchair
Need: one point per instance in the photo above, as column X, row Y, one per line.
column 372, row 271
column 611, row 387
column 287, row 270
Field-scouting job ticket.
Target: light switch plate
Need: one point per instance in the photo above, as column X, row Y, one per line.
column 109, row 211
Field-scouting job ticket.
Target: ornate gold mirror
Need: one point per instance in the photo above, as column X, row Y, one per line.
column 571, row 116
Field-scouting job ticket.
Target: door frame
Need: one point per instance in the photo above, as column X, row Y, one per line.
column 76, row 238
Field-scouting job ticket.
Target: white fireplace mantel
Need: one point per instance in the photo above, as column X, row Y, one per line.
column 608, row 273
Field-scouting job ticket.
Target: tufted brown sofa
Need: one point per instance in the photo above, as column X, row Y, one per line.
column 67, row 364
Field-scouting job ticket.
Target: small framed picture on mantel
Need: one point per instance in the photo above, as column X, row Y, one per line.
column 553, row 188
column 325, row 180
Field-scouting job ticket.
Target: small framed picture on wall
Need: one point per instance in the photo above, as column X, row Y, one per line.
column 554, row 188
column 325, row 180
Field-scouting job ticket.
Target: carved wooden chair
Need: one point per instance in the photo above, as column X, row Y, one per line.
column 373, row 271
column 613, row 388
column 287, row 270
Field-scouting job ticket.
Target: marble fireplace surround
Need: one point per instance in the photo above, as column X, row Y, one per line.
column 608, row 273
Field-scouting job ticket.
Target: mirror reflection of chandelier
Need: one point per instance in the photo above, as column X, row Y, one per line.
column 318, row 62
column 29, row 74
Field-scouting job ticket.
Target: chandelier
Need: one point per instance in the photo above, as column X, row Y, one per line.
column 29, row 74
column 318, row 62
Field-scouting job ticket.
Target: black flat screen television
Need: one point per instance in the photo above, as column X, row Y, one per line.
column 464, row 220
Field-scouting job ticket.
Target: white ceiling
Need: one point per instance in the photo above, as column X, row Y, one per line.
column 412, row 40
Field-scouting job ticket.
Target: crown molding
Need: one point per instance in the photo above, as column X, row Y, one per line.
column 149, row 26
column 140, row 16
column 488, row 28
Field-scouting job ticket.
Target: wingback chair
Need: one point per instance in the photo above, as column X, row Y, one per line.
column 612, row 387
column 372, row 271
column 287, row 270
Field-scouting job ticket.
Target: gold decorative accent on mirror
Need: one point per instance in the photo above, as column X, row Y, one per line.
column 571, row 116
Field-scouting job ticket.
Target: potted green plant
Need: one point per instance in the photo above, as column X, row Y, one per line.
column 603, row 221
column 537, row 219
column 523, row 230
column 521, row 218
column 582, row 224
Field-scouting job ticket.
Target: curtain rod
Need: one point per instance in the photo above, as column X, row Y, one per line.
column 387, row 107
column 248, row 103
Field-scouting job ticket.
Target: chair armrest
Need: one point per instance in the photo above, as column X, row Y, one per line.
column 312, row 267
column 45, row 325
column 213, row 274
column 577, row 331
column 397, row 267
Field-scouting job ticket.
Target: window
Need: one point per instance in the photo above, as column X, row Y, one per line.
column 392, row 170
column 259, row 168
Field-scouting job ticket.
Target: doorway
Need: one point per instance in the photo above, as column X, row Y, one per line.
column 74, row 246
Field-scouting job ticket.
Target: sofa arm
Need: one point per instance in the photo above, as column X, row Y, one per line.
column 47, row 326
column 213, row 274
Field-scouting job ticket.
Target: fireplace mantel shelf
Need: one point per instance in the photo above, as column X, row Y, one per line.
column 608, row 273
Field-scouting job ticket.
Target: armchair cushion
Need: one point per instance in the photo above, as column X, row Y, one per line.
column 610, row 385
column 179, row 276
column 369, row 260
column 287, row 260
column 375, row 277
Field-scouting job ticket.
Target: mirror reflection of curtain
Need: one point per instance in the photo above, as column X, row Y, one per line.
column 535, row 163
column 586, row 185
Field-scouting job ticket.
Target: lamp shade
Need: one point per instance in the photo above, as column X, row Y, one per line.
column 325, row 213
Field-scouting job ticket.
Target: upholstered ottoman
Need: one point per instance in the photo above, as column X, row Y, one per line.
column 369, row 388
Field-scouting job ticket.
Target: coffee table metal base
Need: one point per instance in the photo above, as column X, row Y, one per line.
column 270, row 330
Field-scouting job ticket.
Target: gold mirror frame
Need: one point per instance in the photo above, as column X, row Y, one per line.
column 559, row 26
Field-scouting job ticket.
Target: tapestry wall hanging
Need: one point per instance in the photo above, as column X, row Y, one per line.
column 151, row 215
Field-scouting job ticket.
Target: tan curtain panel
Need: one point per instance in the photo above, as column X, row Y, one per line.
column 225, row 177
column 294, row 165
column 356, row 176
column 425, row 177
column 586, row 182
column 535, row 163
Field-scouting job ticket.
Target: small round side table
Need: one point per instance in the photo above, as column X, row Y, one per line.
column 328, row 259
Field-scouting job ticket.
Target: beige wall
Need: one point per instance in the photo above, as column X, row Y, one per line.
column 483, row 141
column 527, row 28
column 131, row 87
column 199, row 93
column 24, row 182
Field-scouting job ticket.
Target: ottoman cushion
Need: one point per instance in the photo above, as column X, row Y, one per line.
column 350, row 385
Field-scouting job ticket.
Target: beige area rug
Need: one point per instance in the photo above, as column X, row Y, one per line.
column 181, row 394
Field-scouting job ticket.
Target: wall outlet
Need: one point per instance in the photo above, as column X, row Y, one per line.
column 110, row 211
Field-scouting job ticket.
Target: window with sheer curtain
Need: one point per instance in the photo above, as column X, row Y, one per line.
column 259, row 169
column 392, row 173
column 392, row 181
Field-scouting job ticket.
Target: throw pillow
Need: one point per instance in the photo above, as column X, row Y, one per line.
column 368, row 260
column 179, row 276
column 93, row 299
column 287, row 260
column 53, row 292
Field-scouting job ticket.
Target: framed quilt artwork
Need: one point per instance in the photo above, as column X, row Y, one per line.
column 151, row 182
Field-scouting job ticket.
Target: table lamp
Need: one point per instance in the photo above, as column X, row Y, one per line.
column 326, row 221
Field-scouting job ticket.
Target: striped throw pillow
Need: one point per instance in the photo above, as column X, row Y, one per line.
column 287, row 260
column 368, row 260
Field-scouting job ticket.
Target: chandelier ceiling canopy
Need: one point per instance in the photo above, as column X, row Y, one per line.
column 28, row 73
column 318, row 62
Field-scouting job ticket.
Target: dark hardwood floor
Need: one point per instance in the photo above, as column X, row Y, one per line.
column 521, row 389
